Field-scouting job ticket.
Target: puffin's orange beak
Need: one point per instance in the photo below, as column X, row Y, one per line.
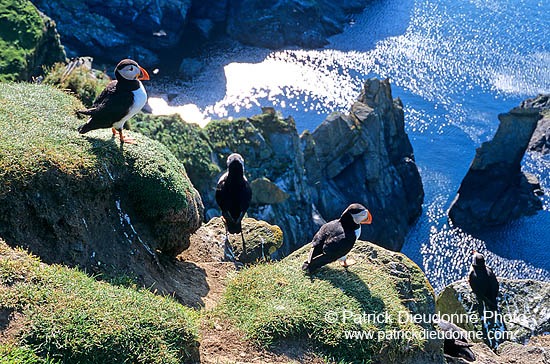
column 474, row 251
column 368, row 219
column 144, row 75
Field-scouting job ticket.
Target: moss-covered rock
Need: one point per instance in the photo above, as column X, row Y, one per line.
column 86, row 200
column 271, row 149
column 28, row 41
column 208, row 243
column 188, row 142
column 277, row 301
column 65, row 316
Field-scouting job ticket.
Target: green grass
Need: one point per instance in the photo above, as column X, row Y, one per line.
column 38, row 134
column 22, row 33
column 73, row 318
column 12, row 354
column 274, row 301
column 85, row 83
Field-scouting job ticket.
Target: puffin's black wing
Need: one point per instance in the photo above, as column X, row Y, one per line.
column 492, row 291
column 220, row 193
column 326, row 246
column 316, row 245
column 476, row 283
column 335, row 243
column 109, row 107
column 246, row 196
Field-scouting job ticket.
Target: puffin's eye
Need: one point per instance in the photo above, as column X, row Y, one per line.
column 131, row 68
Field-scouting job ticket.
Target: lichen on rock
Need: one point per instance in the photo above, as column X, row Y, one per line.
column 208, row 242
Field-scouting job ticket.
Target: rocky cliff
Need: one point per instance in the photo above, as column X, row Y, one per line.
column 28, row 41
column 522, row 305
column 85, row 200
column 148, row 31
column 495, row 190
column 275, row 24
column 274, row 165
column 301, row 181
column 121, row 213
column 118, row 29
column 366, row 157
column 540, row 141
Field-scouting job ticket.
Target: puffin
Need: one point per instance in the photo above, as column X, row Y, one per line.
column 483, row 281
column 336, row 238
column 233, row 195
column 119, row 101
column 455, row 344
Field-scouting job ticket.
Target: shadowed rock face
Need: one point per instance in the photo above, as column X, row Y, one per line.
column 113, row 30
column 148, row 31
column 540, row 141
column 495, row 190
column 523, row 304
column 366, row 157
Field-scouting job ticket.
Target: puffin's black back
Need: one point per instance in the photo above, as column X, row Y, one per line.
column 233, row 195
column 483, row 282
column 333, row 240
column 455, row 343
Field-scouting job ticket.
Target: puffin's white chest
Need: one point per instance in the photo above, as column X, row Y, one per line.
column 357, row 233
column 140, row 98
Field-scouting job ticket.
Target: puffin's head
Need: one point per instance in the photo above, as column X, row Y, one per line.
column 478, row 259
column 235, row 162
column 358, row 213
column 129, row 69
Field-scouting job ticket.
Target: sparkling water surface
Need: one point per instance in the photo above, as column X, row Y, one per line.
column 455, row 64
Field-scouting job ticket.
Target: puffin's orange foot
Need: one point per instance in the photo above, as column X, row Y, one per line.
column 348, row 262
column 128, row 140
column 115, row 132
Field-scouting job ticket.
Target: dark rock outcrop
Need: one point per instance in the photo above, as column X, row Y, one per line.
column 275, row 24
column 540, row 141
column 301, row 181
column 148, row 31
column 366, row 157
column 495, row 189
column 523, row 304
column 111, row 31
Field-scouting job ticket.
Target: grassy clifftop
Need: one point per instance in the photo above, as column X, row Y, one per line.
column 66, row 316
column 87, row 201
column 86, row 191
column 277, row 301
